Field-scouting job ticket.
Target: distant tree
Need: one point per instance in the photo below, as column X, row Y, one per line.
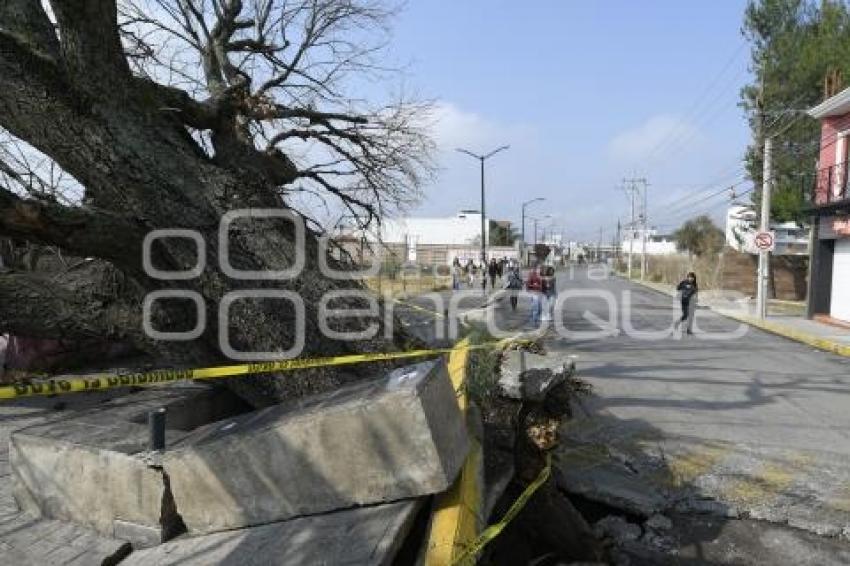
column 699, row 236
column 502, row 235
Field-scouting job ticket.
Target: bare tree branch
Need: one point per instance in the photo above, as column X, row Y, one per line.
column 274, row 71
column 82, row 231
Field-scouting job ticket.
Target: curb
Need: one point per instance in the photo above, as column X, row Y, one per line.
column 768, row 326
column 791, row 334
column 456, row 520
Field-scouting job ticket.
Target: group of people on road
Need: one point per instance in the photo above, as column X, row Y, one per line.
column 469, row 271
column 542, row 287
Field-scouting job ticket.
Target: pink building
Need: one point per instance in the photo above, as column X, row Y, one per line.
column 829, row 281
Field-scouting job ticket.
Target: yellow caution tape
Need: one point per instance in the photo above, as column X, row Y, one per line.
column 491, row 532
column 100, row 382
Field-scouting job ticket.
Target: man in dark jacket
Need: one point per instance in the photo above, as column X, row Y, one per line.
column 688, row 289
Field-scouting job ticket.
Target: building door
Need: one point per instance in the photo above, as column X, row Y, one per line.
column 840, row 303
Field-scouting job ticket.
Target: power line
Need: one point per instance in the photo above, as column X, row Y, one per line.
column 693, row 109
column 710, row 196
column 732, row 174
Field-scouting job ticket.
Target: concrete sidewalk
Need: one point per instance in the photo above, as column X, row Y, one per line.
column 811, row 332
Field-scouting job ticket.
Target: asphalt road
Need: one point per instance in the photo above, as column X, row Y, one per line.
column 731, row 421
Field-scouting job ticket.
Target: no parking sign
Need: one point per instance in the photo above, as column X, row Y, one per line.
column 765, row 241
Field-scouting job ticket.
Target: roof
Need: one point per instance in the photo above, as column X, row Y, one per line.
column 832, row 106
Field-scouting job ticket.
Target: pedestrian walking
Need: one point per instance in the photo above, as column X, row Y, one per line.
column 535, row 287
column 688, row 290
column 457, row 273
column 514, row 286
column 493, row 271
column 549, row 290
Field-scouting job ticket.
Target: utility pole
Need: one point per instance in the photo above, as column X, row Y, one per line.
column 767, row 171
column 599, row 245
column 764, row 256
column 632, row 190
column 617, row 243
column 643, row 264
column 629, row 189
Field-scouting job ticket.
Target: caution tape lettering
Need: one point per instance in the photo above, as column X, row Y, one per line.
column 57, row 386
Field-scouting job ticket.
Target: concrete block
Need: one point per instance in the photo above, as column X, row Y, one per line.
column 398, row 437
column 364, row 535
column 87, row 485
column 516, row 362
column 91, row 466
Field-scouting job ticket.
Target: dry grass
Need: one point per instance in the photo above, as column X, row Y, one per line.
column 672, row 269
column 400, row 286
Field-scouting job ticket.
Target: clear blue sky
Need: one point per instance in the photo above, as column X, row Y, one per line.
column 586, row 93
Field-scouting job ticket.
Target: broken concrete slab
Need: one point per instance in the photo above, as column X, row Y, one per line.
column 608, row 485
column 393, row 438
column 103, row 489
column 364, row 535
column 388, row 439
column 90, row 467
column 515, row 363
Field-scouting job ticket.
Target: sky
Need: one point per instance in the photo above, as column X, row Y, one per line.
column 586, row 93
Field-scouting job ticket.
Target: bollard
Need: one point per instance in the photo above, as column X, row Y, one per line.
column 156, row 424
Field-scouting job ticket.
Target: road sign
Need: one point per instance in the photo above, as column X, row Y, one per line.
column 765, row 241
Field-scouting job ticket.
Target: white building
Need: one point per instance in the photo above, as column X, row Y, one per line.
column 464, row 228
column 656, row 244
column 433, row 240
column 742, row 224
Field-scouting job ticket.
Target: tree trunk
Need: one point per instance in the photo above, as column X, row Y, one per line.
column 142, row 172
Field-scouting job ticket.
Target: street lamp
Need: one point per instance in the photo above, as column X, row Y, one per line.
column 481, row 159
column 536, row 220
column 526, row 203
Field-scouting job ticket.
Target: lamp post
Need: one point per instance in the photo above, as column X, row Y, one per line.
column 536, row 220
column 482, row 159
column 526, row 203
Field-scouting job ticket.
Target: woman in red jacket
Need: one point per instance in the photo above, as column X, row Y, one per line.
column 535, row 287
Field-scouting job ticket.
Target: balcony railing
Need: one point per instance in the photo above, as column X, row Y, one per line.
column 831, row 185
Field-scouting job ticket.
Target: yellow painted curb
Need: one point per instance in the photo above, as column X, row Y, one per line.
column 782, row 330
column 455, row 522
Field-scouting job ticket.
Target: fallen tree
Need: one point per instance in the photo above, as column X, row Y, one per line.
column 169, row 114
